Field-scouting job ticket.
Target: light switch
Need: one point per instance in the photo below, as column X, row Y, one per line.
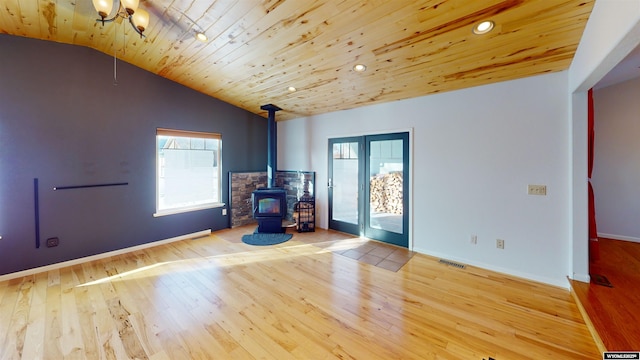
column 537, row 190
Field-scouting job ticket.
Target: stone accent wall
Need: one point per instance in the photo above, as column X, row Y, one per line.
column 297, row 184
column 242, row 185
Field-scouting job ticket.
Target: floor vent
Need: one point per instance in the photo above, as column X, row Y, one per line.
column 451, row 263
column 598, row 280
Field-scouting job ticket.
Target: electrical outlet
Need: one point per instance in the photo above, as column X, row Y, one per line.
column 537, row 190
column 224, row 212
column 474, row 239
column 53, row 242
column 500, row 243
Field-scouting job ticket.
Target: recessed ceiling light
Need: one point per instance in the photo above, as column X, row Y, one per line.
column 359, row 68
column 201, row 36
column 292, row 89
column 483, row 27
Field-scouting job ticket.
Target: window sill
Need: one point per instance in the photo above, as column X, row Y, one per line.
column 187, row 209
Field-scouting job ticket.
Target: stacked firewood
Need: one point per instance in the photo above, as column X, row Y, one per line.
column 386, row 193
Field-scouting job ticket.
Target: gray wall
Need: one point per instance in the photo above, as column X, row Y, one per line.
column 616, row 165
column 64, row 122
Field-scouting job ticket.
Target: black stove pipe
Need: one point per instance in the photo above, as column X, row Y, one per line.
column 272, row 150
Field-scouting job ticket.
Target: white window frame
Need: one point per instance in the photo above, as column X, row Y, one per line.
column 191, row 135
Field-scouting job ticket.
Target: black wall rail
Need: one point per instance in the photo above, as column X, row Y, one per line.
column 36, row 206
column 88, row 186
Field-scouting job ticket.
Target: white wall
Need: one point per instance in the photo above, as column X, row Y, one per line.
column 611, row 33
column 474, row 152
column 613, row 30
column 616, row 172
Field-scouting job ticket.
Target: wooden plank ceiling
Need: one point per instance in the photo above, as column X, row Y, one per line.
column 258, row 48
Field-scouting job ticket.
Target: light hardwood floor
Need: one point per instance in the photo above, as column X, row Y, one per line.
column 215, row 297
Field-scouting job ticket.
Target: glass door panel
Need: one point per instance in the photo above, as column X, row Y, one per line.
column 387, row 168
column 386, row 185
column 344, row 187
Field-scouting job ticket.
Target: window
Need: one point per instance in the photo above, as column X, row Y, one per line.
column 188, row 171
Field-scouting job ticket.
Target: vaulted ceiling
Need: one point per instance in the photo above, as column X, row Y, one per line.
column 257, row 49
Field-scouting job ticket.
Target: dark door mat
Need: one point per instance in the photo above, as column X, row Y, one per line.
column 601, row 280
column 262, row 239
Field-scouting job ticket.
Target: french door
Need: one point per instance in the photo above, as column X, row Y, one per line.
column 368, row 186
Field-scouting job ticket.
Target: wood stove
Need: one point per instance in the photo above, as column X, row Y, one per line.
column 270, row 204
column 269, row 208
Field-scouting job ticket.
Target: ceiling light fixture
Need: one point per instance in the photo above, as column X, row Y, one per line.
column 483, row 27
column 201, row 36
column 359, row 68
column 128, row 9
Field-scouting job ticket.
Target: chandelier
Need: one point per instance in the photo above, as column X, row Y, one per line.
column 128, row 9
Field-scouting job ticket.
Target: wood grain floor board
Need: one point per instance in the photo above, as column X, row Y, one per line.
column 53, row 332
column 215, row 297
column 36, row 322
column 17, row 323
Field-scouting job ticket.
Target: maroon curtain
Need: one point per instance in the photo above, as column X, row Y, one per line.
column 594, row 248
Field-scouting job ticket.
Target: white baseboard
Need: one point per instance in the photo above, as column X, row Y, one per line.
column 562, row 282
column 101, row 256
column 582, row 277
column 619, row 237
